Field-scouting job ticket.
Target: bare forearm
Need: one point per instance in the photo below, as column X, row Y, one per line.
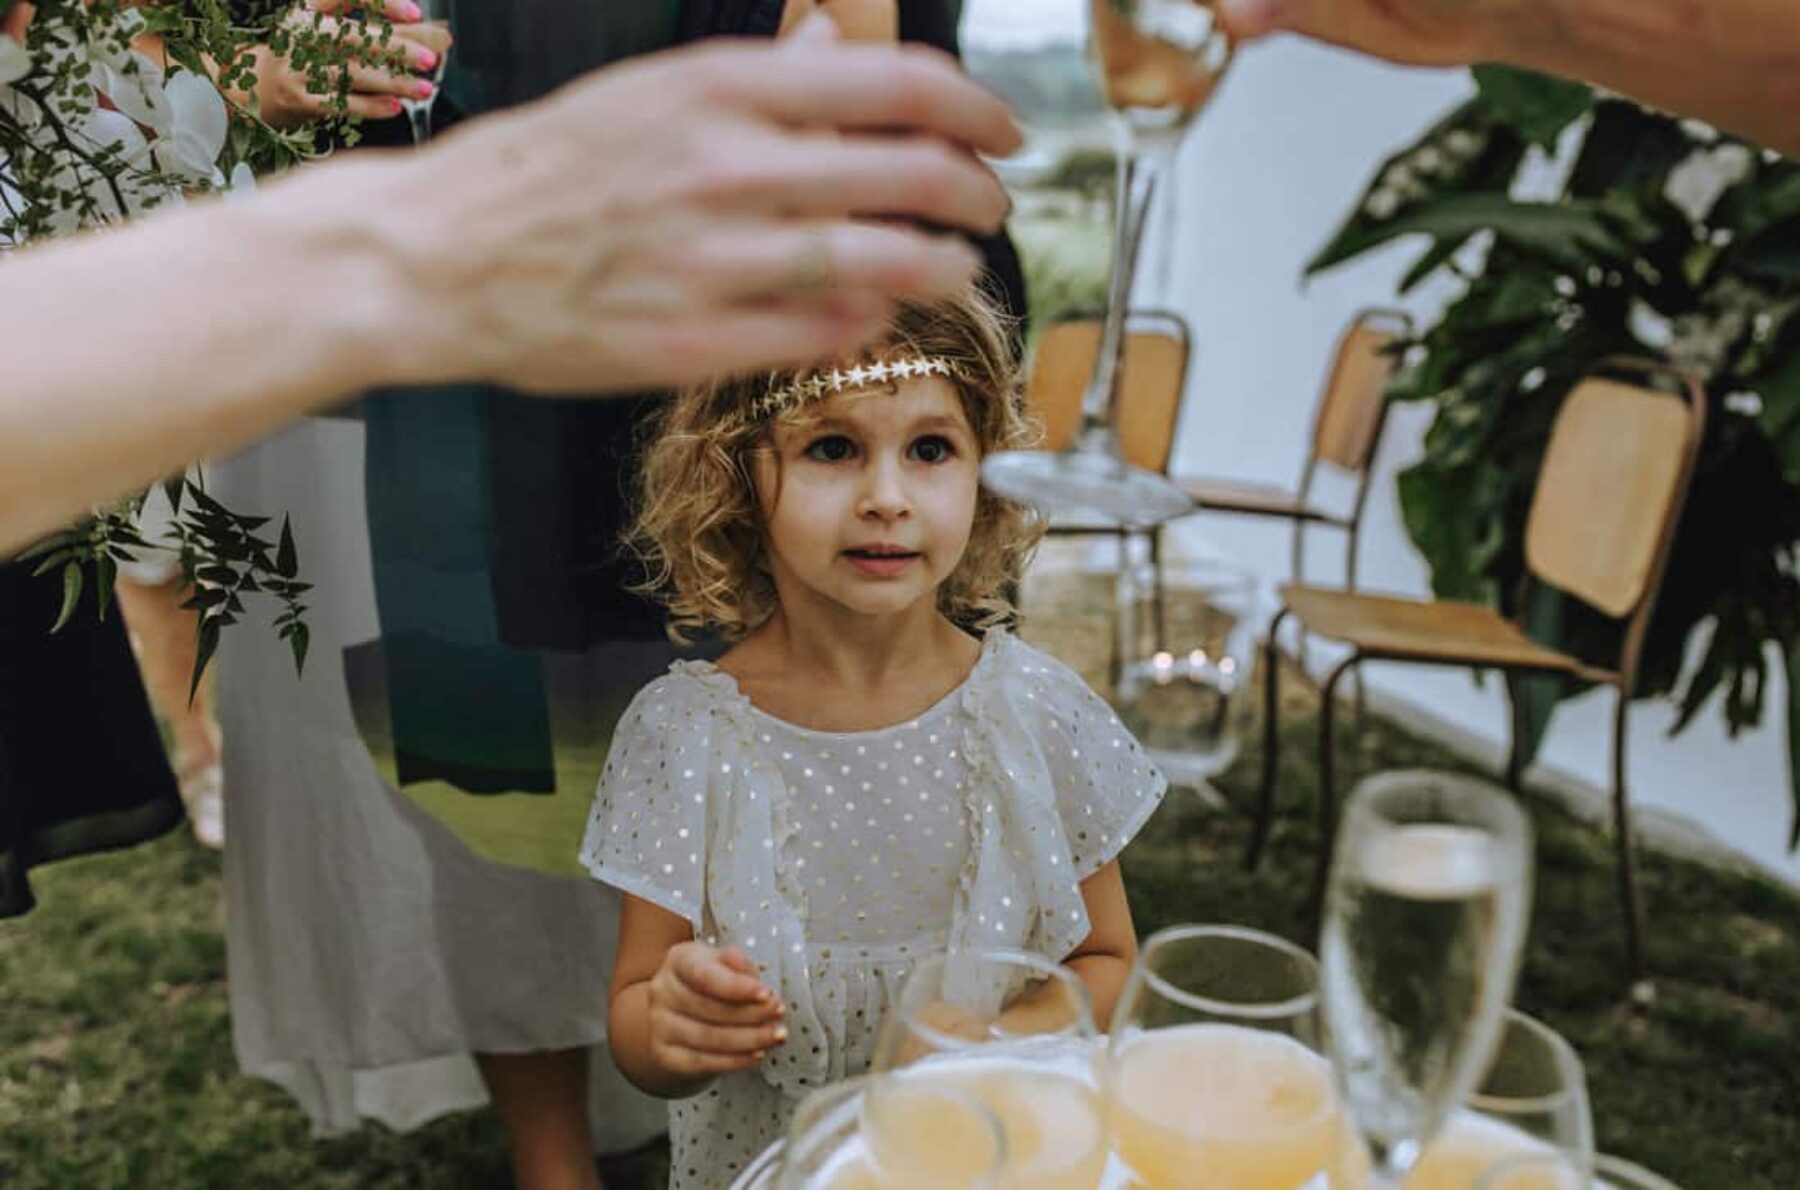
column 628, row 1039
column 1104, row 976
column 132, row 353
column 1733, row 63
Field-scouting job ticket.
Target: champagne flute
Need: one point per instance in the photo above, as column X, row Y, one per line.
column 1017, row 1032
column 418, row 111
column 1213, row 1075
column 1158, row 62
column 1424, row 923
column 1034, row 55
column 1529, row 1111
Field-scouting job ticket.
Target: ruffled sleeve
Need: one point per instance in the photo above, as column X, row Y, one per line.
column 1058, row 788
column 647, row 833
column 1106, row 785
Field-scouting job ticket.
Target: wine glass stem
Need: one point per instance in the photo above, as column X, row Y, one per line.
column 1138, row 175
column 419, row 114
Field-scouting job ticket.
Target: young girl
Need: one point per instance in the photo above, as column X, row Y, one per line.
column 877, row 770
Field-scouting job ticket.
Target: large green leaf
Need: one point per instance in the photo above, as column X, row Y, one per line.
column 1568, row 235
column 1538, row 106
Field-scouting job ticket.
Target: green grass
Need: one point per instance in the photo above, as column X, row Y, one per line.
column 116, row 1068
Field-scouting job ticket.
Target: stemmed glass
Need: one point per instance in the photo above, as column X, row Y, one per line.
column 1187, row 649
column 937, row 1135
column 1213, row 1071
column 1530, row 1112
column 418, row 111
column 1424, row 923
column 1017, row 1032
column 1541, row 1172
column 1158, row 62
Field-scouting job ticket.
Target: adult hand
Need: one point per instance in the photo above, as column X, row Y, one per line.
column 1418, row 32
column 286, row 97
column 726, row 207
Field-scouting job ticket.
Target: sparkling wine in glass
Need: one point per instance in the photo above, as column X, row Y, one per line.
column 1213, row 1076
column 1157, row 62
column 1424, row 922
column 1530, row 1111
column 1016, row 1032
column 1034, row 54
column 418, row 111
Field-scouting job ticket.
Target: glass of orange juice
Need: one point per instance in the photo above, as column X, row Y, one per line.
column 1214, row 1077
column 862, row 1134
column 1017, row 1032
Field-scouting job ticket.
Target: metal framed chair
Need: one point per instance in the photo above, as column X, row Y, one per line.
column 1346, row 433
column 1608, row 498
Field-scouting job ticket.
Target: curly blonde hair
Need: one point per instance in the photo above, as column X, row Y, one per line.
column 699, row 525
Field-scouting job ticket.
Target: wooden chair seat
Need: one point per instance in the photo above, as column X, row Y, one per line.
column 1444, row 632
column 1254, row 499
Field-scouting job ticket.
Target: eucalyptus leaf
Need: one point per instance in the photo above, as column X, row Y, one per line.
column 71, row 594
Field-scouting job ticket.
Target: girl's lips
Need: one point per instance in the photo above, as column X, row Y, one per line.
column 884, row 564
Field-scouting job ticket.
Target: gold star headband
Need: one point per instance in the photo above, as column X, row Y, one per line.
column 868, row 374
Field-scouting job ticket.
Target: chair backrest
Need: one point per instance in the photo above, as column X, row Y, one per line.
column 1354, row 403
column 1614, row 478
column 1153, row 375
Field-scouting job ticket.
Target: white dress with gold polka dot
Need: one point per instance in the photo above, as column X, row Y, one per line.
column 836, row 860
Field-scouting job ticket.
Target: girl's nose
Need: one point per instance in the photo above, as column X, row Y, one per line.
column 884, row 493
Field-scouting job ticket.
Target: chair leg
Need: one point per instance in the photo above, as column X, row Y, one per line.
column 1362, row 696
column 1328, row 815
column 1158, row 595
column 1630, row 898
column 1265, row 798
column 1122, row 623
column 1515, row 741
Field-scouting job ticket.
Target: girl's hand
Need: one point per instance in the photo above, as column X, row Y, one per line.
column 282, row 94
column 710, row 1013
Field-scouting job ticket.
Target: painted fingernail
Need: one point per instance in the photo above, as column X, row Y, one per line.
column 412, row 12
column 423, row 89
column 395, row 107
column 780, row 1034
column 424, row 59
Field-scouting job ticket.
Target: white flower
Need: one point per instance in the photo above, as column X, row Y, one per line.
column 1746, row 403
column 1651, row 328
column 1383, row 203
column 1463, row 143
column 15, row 61
column 197, row 131
column 1696, row 184
column 136, row 88
column 242, row 182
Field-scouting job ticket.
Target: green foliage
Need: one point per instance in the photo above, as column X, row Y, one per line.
column 1658, row 238
column 56, row 175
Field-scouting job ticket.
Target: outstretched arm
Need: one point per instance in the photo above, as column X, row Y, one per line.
column 1734, row 63
column 504, row 254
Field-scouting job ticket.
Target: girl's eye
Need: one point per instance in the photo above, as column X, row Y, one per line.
column 833, row 449
column 933, row 449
